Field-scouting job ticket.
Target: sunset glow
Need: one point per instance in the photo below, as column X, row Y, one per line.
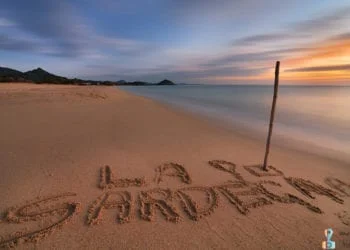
column 224, row 42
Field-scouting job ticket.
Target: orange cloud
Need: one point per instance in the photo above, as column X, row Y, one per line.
column 322, row 62
column 328, row 61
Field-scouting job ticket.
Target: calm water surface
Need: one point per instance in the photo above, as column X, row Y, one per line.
column 319, row 115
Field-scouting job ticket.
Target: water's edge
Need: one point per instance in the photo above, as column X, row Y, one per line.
column 280, row 140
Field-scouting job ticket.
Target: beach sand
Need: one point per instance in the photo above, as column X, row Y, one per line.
column 93, row 167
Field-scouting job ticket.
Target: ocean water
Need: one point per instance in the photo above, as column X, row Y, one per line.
column 316, row 115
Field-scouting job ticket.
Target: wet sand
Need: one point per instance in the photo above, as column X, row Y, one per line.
column 86, row 167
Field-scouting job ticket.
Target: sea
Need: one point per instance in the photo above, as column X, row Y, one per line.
column 314, row 115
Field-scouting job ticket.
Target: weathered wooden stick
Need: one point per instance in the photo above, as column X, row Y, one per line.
column 272, row 115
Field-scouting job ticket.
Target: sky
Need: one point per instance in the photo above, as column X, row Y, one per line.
column 187, row 41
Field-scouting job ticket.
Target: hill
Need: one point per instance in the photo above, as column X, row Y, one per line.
column 11, row 75
column 41, row 76
column 166, row 82
column 10, row 72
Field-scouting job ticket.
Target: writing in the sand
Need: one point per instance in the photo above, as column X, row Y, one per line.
column 174, row 204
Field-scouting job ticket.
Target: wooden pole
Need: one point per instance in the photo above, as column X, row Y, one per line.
column 272, row 115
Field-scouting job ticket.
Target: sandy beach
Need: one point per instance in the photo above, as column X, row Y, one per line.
column 94, row 167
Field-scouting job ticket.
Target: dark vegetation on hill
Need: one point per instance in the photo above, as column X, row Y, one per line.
column 165, row 82
column 41, row 76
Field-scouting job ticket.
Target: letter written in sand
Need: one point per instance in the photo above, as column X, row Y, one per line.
column 172, row 170
column 243, row 196
column 38, row 210
column 191, row 207
column 107, row 180
column 340, row 186
column 228, row 167
column 149, row 202
column 307, row 187
column 285, row 198
column 120, row 200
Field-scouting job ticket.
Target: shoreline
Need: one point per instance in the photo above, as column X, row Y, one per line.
column 278, row 140
column 57, row 142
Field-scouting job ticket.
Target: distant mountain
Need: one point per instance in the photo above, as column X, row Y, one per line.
column 37, row 75
column 10, row 72
column 41, row 76
column 166, row 82
column 11, row 75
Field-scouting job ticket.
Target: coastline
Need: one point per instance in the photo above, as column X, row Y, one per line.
column 278, row 140
column 57, row 138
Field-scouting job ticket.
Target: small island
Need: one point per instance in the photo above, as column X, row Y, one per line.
column 166, row 82
column 41, row 76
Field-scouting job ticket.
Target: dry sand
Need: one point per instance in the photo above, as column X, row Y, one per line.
column 97, row 168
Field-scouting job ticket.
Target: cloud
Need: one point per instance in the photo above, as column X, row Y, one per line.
column 341, row 37
column 302, row 29
column 254, row 57
column 190, row 32
column 345, row 67
column 61, row 31
column 263, row 38
column 335, row 49
column 5, row 22
column 321, row 23
column 125, row 47
column 53, row 21
column 220, row 67
column 207, row 11
column 13, row 44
